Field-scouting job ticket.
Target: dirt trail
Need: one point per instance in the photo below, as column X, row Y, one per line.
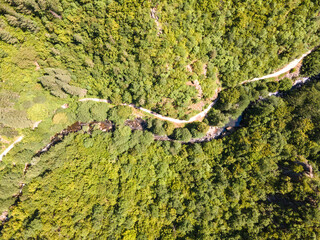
column 287, row 68
column 10, row 147
column 202, row 114
column 153, row 15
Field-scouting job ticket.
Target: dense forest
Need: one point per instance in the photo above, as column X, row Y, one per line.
column 261, row 182
column 107, row 170
column 151, row 52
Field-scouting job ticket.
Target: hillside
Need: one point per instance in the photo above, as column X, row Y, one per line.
column 129, row 119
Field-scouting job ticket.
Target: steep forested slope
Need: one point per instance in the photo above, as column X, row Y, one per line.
column 146, row 51
column 260, row 182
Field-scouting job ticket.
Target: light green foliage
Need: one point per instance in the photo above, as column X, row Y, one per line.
column 245, row 186
column 38, row 112
column 60, row 118
column 115, row 50
column 8, row 132
column 25, row 57
column 39, row 99
column 9, row 116
column 169, row 127
column 197, row 129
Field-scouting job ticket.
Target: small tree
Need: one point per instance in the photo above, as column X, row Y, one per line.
column 157, row 127
column 273, row 86
column 169, row 127
column 197, row 129
column 217, row 118
column 99, row 111
column 182, row 134
column 285, row 84
column 57, row 81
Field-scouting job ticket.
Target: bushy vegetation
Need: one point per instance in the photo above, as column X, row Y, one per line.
column 261, row 182
column 57, row 81
column 311, row 64
column 258, row 183
column 233, row 101
column 9, row 116
column 144, row 52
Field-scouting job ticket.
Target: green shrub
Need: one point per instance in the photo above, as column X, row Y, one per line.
column 25, row 57
column 60, row 118
column 38, row 112
column 197, row 129
column 285, row 84
column 273, row 86
column 169, row 127
column 182, row 134
column 99, row 111
column 217, row 118
column 57, row 81
column 311, row 64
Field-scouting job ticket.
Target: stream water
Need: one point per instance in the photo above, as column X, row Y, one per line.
column 140, row 125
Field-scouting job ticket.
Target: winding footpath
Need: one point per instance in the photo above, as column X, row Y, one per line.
column 202, row 114
column 287, row 68
column 10, row 147
column 19, row 139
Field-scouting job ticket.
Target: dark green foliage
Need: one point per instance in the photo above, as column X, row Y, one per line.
column 182, row 134
column 253, row 184
column 197, row 129
column 216, row 118
column 156, row 126
column 228, row 97
column 99, row 111
column 273, row 86
column 91, row 111
column 233, row 101
column 285, row 84
column 120, row 51
column 119, row 114
column 311, row 64
column 19, row 21
column 83, row 112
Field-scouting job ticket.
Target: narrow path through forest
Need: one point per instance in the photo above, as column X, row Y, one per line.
column 202, row 114
column 287, row 68
column 10, row 147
